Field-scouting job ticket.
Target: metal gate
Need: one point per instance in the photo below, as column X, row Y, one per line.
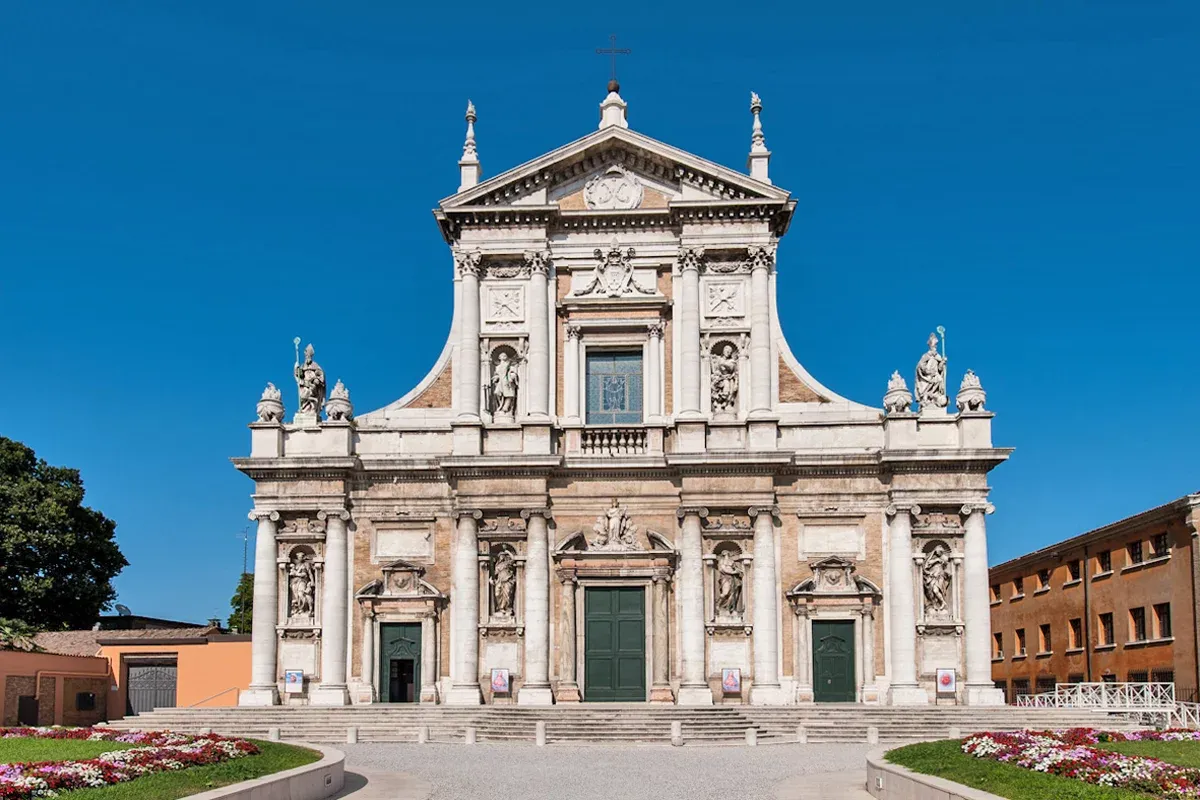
column 150, row 686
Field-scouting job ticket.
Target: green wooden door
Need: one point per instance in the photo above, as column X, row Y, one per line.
column 833, row 661
column 399, row 662
column 614, row 666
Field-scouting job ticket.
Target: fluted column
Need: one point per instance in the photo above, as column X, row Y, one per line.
column 264, row 686
column 538, row 404
column 766, row 689
column 334, row 613
column 468, row 350
column 977, row 616
column 693, row 688
column 903, row 624
column 689, row 331
column 568, row 686
column 536, row 689
column 464, row 688
column 761, row 261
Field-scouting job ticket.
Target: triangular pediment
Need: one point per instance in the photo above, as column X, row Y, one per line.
column 614, row 169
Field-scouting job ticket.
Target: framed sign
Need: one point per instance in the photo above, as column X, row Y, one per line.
column 947, row 681
column 500, row 683
column 293, row 681
column 731, row 680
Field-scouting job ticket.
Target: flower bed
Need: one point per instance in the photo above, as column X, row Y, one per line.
column 153, row 751
column 1071, row 754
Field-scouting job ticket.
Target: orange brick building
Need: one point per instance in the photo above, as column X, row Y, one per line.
column 1116, row 604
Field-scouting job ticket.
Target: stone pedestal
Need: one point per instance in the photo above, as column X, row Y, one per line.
column 329, row 696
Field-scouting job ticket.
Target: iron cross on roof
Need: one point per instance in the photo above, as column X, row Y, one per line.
column 613, row 52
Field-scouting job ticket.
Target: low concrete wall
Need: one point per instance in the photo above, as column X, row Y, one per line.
column 889, row 781
column 315, row 781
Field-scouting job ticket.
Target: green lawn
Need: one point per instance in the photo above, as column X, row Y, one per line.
column 274, row 757
column 1185, row 754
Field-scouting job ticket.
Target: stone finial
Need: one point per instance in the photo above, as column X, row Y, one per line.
column 338, row 407
column 612, row 110
column 897, row 400
column 270, row 405
column 760, row 157
column 468, row 165
column 971, row 395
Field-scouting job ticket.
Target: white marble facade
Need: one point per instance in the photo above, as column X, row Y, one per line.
column 617, row 434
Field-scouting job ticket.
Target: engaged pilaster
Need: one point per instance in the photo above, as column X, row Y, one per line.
column 468, row 435
column 568, row 686
column 464, row 690
column 766, row 689
column 976, row 608
column 539, row 335
column 902, row 628
column 689, row 331
column 536, row 689
column 335, row 618
column 264, row 686
column 660, row 687
column 693, row 688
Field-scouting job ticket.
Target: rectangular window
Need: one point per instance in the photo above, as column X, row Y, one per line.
column 1104, row 561
column 1043, row 579
column 1044, row 638
column 1018, row 586
column 1045, row 684
column 1020, row 687
column 1020, row 642
column 1160, row 545
column 1162, row 676
column 1075, row 568
column 1138, row 676
column 1134, row 551
column 1137, row 624
column 1076, row 633
column 1075, row 677
column 1162, row 620
column 995, row 593
column 1109, row 678
column 997, row 645
column 1106, row 628
column 614, row 388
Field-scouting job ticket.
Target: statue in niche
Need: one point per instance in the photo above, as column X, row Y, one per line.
column 504, row 386
column 302, row 586
column 310, row 379
column 931, row 377
column 730, row 575
column 504, row 584
column 614, row 530
column 935, row 575
column 725, row 380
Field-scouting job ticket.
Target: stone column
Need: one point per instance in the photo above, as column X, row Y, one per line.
column 536, row 689
column 761, row 260
column 766, row 689
column 568, row 686
column 264, row 685
column 366, row 664
column 660, row 686
column 538, row 404
column 693, row 688
column 654, row 372
column 468, row 350
column 977, row 615
column 870, row 690
column 335, row 597
column 903, row 624
column 464, row 690
column 429, row 662
column 689, row 332
column 803, row 656
column 571, row 367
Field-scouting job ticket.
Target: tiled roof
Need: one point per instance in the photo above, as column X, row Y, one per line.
column 87, row 643
column 69, row 643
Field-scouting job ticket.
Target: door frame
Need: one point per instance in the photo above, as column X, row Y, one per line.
column 646, row 585
column 856, row 655
column 147, row 660
column 380, row 657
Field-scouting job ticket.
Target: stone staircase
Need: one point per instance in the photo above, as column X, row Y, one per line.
column 615, row 723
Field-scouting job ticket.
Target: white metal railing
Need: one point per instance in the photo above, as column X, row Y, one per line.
column 1185, row 715
column 1112, row 696
column 613, row 441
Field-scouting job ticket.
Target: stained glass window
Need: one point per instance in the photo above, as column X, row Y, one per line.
column 614, row 388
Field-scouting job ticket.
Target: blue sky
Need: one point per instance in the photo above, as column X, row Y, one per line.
column 184, row 187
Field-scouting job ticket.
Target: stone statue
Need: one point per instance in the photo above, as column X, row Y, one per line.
column 970, row 393
column 504, row 386
column 614, row 530
column 338, row 408
column 725, row 380
column 270, row 406
column 897, row 400
column 302, row 586
column 310, row 379
column 504, row 584
column 935, row 574
column 729, row 586
column 931, row 378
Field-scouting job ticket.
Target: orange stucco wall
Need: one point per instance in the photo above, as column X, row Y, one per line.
column 205, row 669
column 49, row 676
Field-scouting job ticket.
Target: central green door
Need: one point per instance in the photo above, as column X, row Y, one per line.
column 833, row 661
column 614, row 644
column 399, row 662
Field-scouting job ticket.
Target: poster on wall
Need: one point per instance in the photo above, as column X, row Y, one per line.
column 500, row 684
column 293, row 681
column 947, row 681
column 731, row 680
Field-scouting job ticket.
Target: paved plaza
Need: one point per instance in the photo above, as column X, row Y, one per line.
column 645, row 772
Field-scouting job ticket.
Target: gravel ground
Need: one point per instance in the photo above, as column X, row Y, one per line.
column 607, row 772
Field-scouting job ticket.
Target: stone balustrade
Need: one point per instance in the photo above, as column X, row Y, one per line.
column 614, row 440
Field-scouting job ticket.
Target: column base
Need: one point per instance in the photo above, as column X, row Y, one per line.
column 429, row 694
column 259, row 696
column 465, row 694
column 662, row 695
column 870, row 695
column 695, row 696
column 984, row 694
column 763, row 434
column 908, row 695
column 535, row 695
column 333, row 695
column 362, row 694
column 770, row 695
column 467, row 436
column 535, row 437
column 567, row 694
column 804, row 694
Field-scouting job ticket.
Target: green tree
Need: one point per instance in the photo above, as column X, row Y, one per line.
column 57, row 556
column 242, row 603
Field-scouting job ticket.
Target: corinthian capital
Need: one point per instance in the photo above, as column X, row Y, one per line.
column 538, row 261
column 467, row 262
column 690, row 258
column 761, row 256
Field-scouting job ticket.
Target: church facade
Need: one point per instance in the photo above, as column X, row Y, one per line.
column 618, row 483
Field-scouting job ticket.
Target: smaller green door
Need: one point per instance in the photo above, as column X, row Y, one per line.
column 614, row 644
column 833, row 661
column 399, row 662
